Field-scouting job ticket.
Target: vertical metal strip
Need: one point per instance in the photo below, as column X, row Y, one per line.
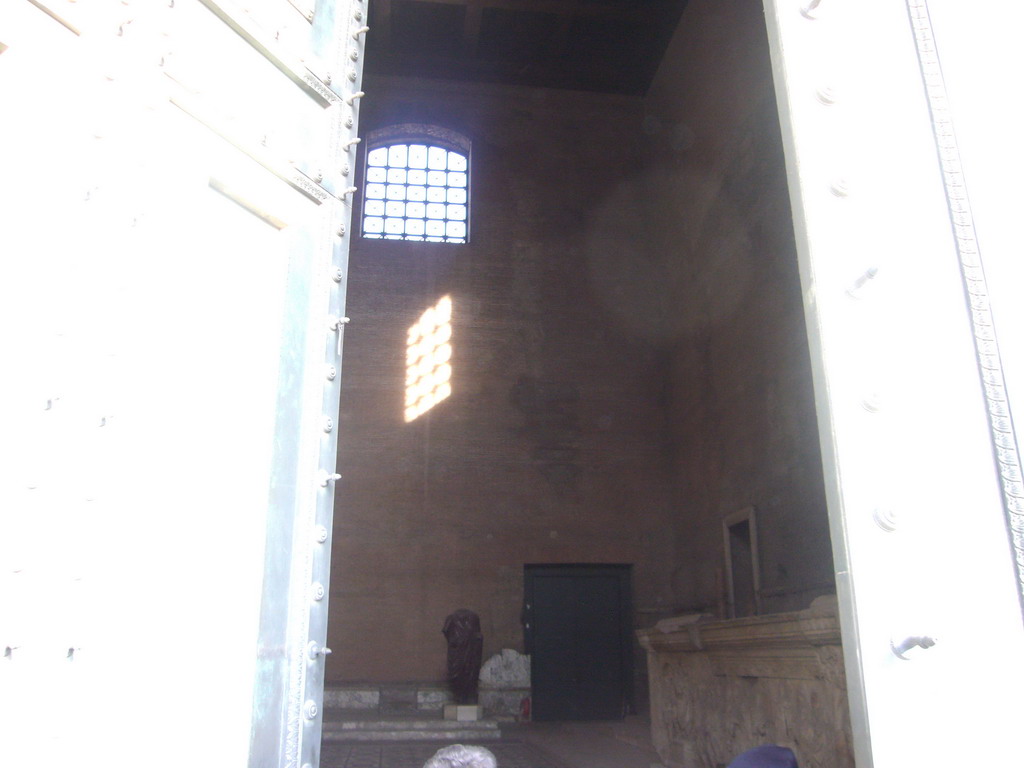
column 1004, row 439
column 338, row 36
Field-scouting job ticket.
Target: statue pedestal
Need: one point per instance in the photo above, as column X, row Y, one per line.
column 463, row 712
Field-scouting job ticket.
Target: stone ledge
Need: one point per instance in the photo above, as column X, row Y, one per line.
column 466, row 735
column 388, row 697
column 339, row 728
column 500, row 702
column 410, row 724
column 816, row 626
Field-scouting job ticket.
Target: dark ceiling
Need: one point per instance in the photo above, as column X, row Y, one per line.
column 610, row 46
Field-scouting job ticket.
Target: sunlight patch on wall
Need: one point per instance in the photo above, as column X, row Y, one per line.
column 428, row 370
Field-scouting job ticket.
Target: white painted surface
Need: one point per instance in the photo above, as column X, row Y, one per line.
column 901, row 412
column 142, row 302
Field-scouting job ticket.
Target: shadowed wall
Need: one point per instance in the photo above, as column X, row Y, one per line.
column 741, row 415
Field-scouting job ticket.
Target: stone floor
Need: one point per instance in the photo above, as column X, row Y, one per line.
column 621, row 744
column 615, row 744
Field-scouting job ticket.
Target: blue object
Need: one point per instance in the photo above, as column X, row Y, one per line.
column 766, row 757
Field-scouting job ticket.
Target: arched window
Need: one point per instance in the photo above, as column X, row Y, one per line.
column 416, row 185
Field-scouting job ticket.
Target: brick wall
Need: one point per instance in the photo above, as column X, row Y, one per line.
column 551, row 448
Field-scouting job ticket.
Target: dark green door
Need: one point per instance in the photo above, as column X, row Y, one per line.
column 578, row 631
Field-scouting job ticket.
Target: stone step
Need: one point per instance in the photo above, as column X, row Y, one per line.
column 449, row 737
column 385, row 700
column 400, row 724
column 406, row 729
column 388, row 698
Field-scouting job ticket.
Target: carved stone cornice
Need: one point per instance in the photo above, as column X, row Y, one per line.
column 781, row 645
column 818, row 625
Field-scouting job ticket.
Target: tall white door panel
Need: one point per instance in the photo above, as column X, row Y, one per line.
column 174, row 214
column 915, row 355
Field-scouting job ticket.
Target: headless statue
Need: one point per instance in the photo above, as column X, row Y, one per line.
column 465, row 653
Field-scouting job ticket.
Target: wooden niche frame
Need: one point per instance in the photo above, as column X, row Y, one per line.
column 742, row 564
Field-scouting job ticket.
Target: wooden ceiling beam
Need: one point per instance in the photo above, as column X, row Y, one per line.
column 506, row 73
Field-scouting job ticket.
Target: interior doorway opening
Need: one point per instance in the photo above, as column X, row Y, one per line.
column 631, row 368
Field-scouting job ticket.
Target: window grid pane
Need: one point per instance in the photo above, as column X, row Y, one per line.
column 434, row 180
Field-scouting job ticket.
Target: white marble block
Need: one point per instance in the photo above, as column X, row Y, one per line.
column 462, row 712
column 508, row 669
column 505, row 684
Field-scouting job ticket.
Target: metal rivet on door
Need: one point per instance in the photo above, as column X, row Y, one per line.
column 840, row 188
column 872, row 403
column 314, row 650
column 338, row 326
column 318, row 591
column 885, row 518
column 321, row 534
column 917, row 641
column 826, row 94
column 809, row 10
column 310, row 710
column 327, row 478
column 855, row 291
